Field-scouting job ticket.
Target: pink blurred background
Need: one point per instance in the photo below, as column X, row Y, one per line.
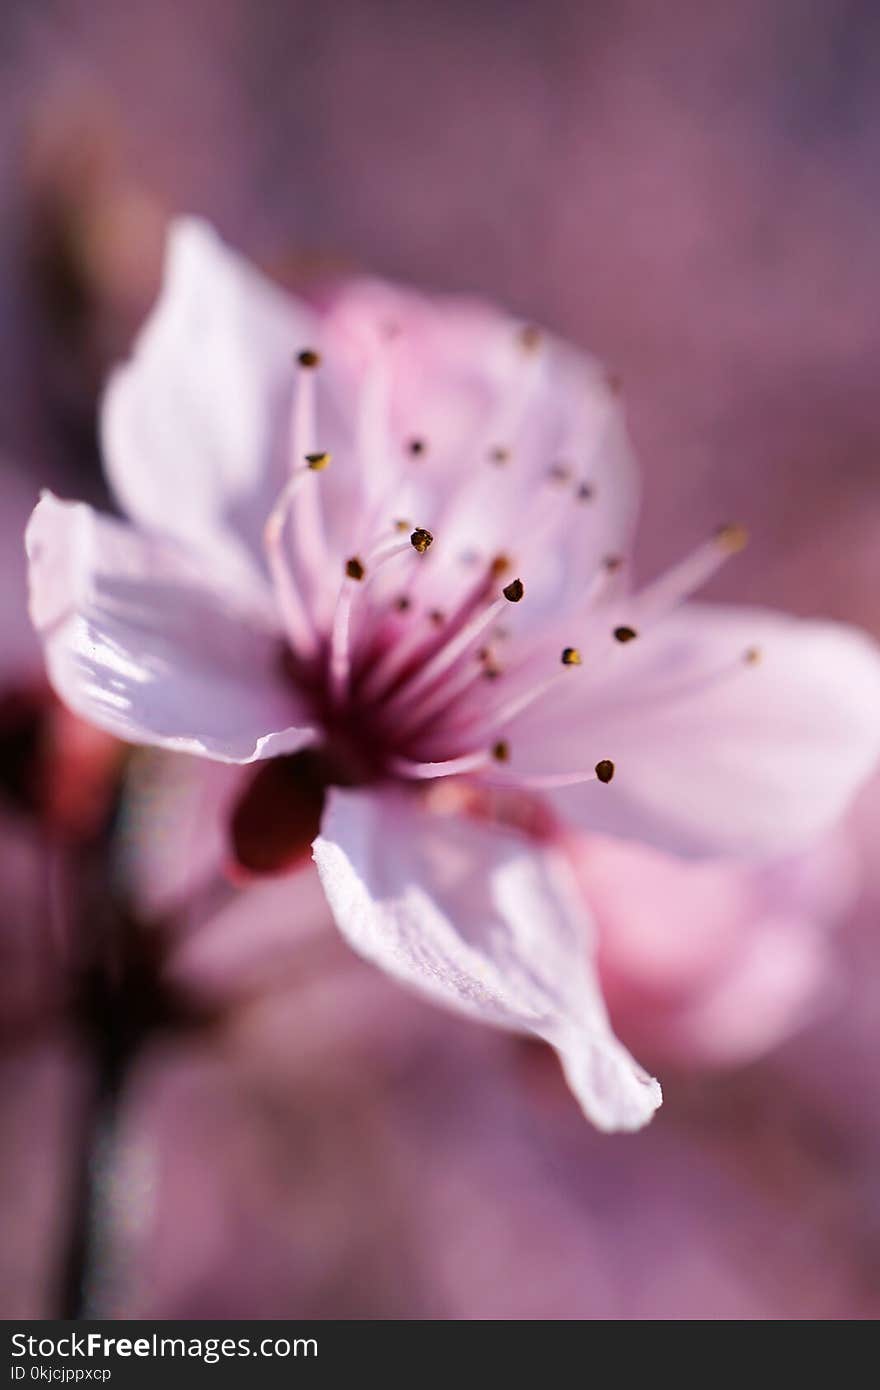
column 691, row 192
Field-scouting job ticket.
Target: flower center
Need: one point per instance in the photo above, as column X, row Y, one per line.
column 406, row 686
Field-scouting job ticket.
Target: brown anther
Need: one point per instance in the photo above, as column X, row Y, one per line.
column 403, row 604
column 559, row 473
column 499, row 565
column 501, row 751
column 421, row 539
column 625, row 634
column 354, row 568
column 605, row 770
column 402, row 525
column 615, row 383
column 530, row 337
column 318, row 462
column 436, row 617
column 514, row 591
column 416, row 447
column 612, row 563
column 752, row 655
column 732, row 538
column 499, row 454
column 571, row 656
column 308, row 358
column 491, row 672
column 586, row 492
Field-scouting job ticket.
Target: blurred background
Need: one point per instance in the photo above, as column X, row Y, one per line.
column 691, row 192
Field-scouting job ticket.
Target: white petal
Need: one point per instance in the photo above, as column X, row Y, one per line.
column 138, row 644
column 485, row 922
column 195, row 425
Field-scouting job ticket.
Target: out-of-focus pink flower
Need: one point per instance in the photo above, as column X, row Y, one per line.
column 265, row 605
column 714, row 962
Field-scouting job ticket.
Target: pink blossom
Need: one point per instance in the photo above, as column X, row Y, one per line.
column 393, row 540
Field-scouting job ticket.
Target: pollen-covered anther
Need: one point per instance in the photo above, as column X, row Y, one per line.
column 499, row 454
column 402, row 526
column 318, row 462
column 752, row 655
column 501, row 751
column 514, row 591
column 416, row 447
column 571, row 657
column 625, row 634
column 605, row 770
column 421, row 539
column 309, row 358
column 355, row 568
column 732, row 538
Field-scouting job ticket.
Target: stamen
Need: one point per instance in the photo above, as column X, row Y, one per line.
column 625, row 634
column 294, row 613
column 499, row 454
column 586, row 492
column 732, row 537
column 448, row 692
column 571, row 656
column 553, row 780
column 480, row 725
column 356, row 570
column 514, row 591
column 307, row 522
column 449, row 767
column 559, row 473
column 691, row 573
column 501, row 751
column 416, row 447
column 421, row 539
column 600, row 582
column 518, row 703
column 680, row 688
column 446, row 656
